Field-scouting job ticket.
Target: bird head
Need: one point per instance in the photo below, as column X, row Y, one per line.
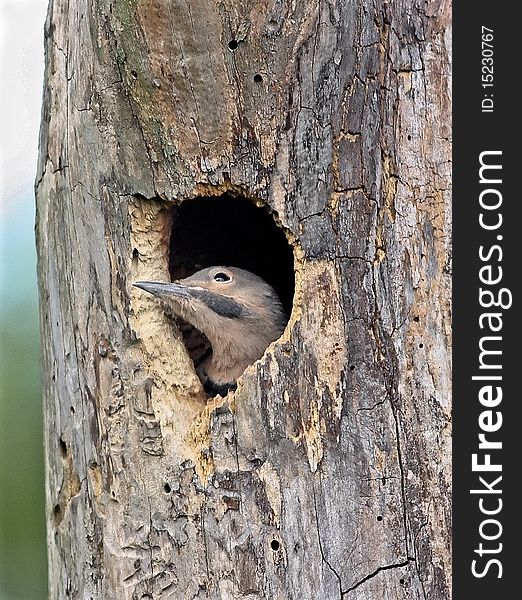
column 237, row 311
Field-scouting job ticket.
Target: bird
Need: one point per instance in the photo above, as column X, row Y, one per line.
column 238, row 312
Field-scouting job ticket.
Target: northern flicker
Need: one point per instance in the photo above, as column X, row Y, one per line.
column 238, row 312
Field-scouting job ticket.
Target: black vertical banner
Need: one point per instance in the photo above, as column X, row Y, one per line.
column 486, row 321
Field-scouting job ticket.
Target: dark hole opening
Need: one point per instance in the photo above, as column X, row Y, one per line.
column 258, row 78
column 229, row 231
column 63, row 448
column 379, row 518
column 274, row 544
column 233, row 44
column 167, row 488
column 421, row 345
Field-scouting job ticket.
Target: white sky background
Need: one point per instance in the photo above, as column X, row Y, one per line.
column 21, row 76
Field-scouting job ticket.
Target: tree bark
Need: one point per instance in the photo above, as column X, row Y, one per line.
column 327, row 473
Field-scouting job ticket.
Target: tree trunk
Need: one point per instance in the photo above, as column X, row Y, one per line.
column 327, row 473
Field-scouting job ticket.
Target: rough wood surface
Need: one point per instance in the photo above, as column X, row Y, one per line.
column 327, row 474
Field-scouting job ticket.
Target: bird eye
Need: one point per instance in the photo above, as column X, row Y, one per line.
column 221, row 277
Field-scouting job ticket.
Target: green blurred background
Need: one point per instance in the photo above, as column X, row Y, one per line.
column 22, row 530
column 22, row 533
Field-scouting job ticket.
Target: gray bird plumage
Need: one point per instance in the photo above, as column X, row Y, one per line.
column 238, row 312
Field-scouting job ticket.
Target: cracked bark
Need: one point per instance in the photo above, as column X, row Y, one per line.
column 327, row 474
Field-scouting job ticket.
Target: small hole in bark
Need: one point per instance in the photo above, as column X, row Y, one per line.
column 57, row 515
column 258, row 78
column 352, row 367
column 231, row 502
column 72, row 410
column 167, row 488
column 421, row 345
column 379, row 518
column 134, row 73
column 416, row 319
column 233, row 44
column 401, row 581
column 274, row 544
column 63, row 448
column 409, row 137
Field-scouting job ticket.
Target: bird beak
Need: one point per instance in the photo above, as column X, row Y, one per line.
column 164, row 290
column 198, row 297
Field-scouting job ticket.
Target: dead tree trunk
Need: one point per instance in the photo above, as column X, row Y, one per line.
column 327, row 474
